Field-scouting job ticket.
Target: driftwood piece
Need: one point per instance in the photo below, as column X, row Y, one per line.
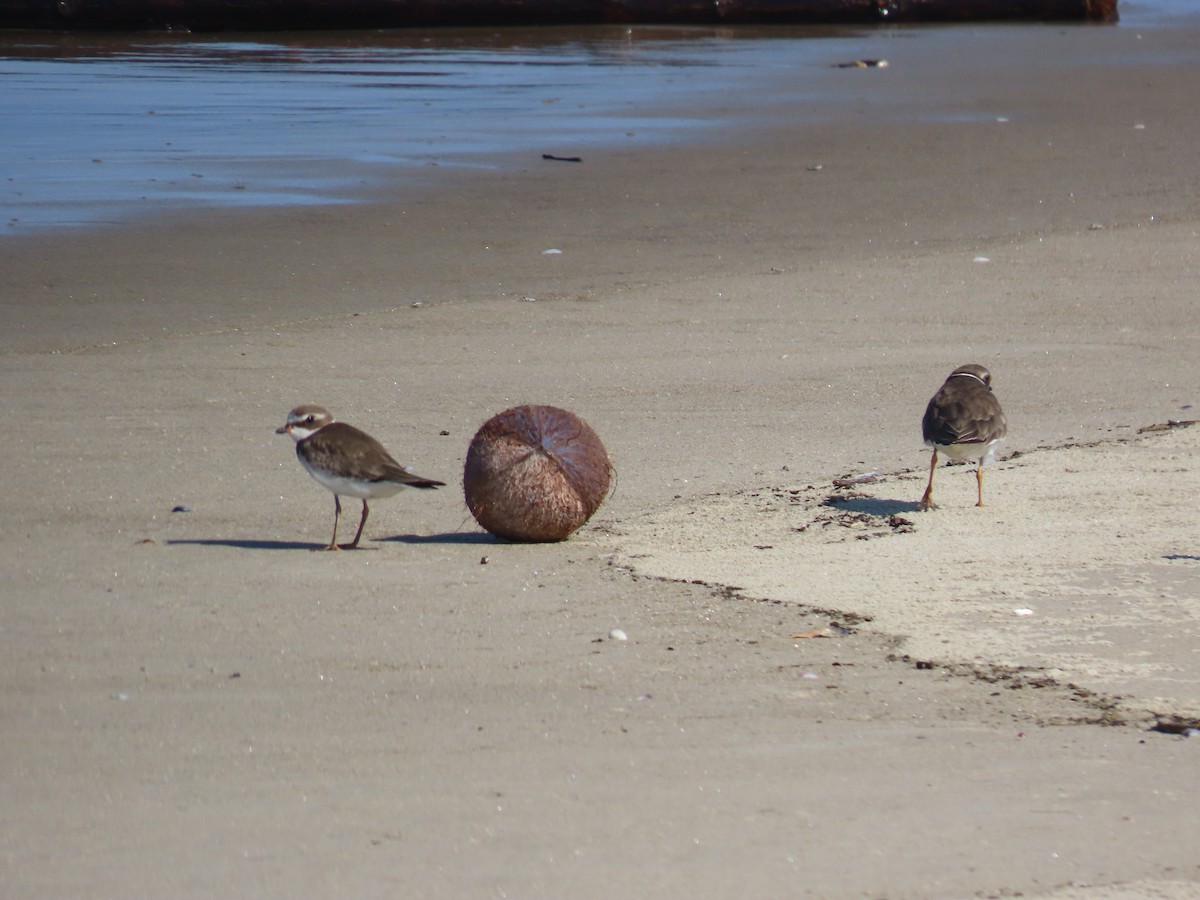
column 223, row 15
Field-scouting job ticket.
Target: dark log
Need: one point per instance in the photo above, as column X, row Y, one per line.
column 222, row 15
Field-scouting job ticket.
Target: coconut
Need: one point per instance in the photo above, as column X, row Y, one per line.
column 535, row 473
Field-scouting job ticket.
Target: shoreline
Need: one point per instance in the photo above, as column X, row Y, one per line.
column 822, row 96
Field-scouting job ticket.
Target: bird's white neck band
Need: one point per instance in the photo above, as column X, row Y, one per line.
column 969, row 375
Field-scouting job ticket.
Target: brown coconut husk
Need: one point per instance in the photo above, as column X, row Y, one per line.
column 535, row 473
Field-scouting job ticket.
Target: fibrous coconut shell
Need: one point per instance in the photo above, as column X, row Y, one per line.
column 535, row 473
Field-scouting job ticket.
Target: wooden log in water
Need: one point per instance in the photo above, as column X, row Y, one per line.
column 222, row 15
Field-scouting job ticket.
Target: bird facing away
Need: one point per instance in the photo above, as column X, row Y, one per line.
column 964, row 421
column 348, row 462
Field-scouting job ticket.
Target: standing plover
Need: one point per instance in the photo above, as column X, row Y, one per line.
column 964, row 421
column 348, row 462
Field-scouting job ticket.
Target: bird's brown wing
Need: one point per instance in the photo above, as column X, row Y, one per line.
column 359, row 455
column 963, row 411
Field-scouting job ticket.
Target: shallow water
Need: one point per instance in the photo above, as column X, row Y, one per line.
column 99, row 128
column 102, row 127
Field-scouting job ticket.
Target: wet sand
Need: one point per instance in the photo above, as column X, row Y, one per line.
column 813, row 700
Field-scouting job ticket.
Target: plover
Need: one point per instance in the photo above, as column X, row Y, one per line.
column 348, row 462
column 963, row 421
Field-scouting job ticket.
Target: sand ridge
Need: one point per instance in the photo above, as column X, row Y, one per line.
column 1081, row 567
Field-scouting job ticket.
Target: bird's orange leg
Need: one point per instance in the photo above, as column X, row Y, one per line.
column 337, row 514
column 927, row 500
column 979, row 479
column 361, row 523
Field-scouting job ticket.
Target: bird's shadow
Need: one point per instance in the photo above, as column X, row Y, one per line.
column 453, row 537
column 874, row 506
column 249, row 544
column 1189, row 557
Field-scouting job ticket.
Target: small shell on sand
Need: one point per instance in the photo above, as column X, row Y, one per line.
column 535, row 473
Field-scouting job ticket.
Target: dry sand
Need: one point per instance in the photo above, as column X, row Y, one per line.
column 197, row 705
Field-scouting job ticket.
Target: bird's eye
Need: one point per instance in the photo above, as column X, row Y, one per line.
column 308, row 420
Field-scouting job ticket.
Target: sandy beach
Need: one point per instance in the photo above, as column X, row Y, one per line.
column 824, row 692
